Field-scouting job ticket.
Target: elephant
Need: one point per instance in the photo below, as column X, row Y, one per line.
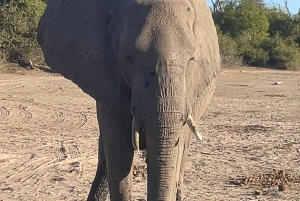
column 152, row 67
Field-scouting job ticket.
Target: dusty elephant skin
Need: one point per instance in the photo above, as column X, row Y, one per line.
column 151, row 62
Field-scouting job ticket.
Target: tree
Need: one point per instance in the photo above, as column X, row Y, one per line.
column 218, row 5
column 258, row 35
column 18, row 22
column 242, row 16
column 247, row 23
column 260, row 3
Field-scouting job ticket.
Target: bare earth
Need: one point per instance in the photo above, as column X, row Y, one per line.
column 49, row 132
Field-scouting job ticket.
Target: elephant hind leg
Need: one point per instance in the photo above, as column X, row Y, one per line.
column 99, row 188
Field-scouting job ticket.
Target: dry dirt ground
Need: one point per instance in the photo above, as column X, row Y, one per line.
column 251, row 130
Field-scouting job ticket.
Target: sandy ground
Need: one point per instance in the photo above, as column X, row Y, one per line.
column 49, row 132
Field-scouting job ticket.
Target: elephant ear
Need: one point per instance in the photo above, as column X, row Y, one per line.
column 203, row 71
column 74, row 37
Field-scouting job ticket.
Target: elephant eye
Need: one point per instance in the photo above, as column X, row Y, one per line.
column 128, row 57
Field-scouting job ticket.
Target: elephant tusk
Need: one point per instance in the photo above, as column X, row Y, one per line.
column 191, row 123
column 135, row 135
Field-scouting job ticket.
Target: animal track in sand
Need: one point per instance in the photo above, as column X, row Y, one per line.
column 16, row 112
column 65, row 151
column 44, row 130
column 3, row 113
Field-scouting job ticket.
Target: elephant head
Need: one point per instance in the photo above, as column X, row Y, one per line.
column 165, row 51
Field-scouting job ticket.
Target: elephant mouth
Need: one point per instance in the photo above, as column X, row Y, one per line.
column 136, row 131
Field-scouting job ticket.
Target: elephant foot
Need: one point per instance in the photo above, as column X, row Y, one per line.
column 179, row 194
column 100, row 188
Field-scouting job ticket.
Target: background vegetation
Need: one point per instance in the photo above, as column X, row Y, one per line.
column 252, row 34
column 249, row 32
column 18, row 22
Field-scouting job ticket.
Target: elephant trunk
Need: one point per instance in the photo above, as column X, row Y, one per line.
column 164, row 139
column 160, row 112
column 163, row 161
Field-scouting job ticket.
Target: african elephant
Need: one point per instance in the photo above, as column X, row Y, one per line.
column 152, row 67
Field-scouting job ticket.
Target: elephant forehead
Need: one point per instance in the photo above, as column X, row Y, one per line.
column 166, row 21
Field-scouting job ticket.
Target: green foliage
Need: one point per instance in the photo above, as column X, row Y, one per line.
column 18, row 22
column 296, row 33
column 243, row 16
column 228, row 48
column 280, row 22
column 250, row 48
column 283, row 53
column 247, row 23
column 258, row 35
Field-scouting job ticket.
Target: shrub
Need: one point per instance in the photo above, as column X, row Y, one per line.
column 258, row 35
column 244, row 26
column 228, row 49
column 243, row 16
column 287, row 53
column 251, row 49
column 284, row 53
column 18, row 22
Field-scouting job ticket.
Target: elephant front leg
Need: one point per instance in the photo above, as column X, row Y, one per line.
column 99, row 188
column 115, row 132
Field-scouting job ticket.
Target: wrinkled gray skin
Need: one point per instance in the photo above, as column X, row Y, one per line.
column 156, row 60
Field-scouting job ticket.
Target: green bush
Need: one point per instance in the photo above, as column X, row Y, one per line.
column 228, row 49
column 284, row 53
column 250, row 48
column 240, row 16
column 296, row 33
column 257, row 35
column 18, row 22
column 244, row 26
